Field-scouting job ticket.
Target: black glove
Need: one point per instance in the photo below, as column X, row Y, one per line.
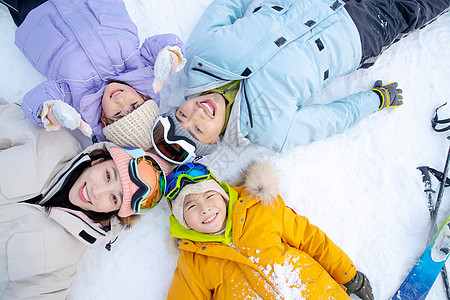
column 390, row 95
column 360, row 286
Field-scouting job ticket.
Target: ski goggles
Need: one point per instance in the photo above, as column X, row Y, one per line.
column 183, row 175
column 175, row 149
column 147, row 174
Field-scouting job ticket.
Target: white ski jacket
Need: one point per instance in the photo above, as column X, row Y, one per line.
column 39, row 250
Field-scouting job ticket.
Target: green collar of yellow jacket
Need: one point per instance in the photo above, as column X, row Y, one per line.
column 228, row 91
column 178, row 231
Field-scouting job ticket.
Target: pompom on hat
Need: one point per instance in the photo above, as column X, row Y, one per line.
column 134, row 129
column 122, row 160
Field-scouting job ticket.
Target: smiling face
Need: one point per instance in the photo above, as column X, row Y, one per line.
column 118, row 101
column 203, row 117
column 98, row 188
column 205, row 213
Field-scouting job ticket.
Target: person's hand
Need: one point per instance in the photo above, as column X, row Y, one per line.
column 390, row 95
column 63, row 114
column 360, row 286
column 166, row 63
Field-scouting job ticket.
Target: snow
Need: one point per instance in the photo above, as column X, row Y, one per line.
column 361, row 187
column 286, row 279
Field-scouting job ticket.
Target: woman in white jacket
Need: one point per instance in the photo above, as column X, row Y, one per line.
column 56, row 201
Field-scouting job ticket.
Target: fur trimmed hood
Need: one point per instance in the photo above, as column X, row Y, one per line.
column 260, row 180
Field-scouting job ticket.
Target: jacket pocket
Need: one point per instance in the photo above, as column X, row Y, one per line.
column 10, row 186
column 114, row 18
column 309, row 269
column 210, row 70
column 40, row 43
column 25, row 252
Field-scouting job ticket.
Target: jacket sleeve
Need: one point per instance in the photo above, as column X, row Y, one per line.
column 152, row 45
column 299, row 233
column 221, row 25
column 26, row 154
column 186, row 283
column 318, row 121
column 54, row 285
column 33, row 100
column 218, row 14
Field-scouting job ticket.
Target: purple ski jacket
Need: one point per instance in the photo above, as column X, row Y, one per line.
column 80, row 45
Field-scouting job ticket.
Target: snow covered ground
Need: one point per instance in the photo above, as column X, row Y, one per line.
column 361, row 187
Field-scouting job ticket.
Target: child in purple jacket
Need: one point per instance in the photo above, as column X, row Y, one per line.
column 96, row 69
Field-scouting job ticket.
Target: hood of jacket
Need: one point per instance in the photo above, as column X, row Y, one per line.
column 259, row 179
column 38, row 166
column 77, row 223
column 59, row 179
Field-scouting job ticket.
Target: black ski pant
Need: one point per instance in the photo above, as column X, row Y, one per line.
column 381, row 23
column 19, row 9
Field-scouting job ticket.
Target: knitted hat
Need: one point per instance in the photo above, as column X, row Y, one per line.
column 122, row 159
column 201, row 149
column 194, row 188
column 134, row 129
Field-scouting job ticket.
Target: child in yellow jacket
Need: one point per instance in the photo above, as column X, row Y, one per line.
column 244, row 243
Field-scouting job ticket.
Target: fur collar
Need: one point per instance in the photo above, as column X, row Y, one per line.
column 260, row 180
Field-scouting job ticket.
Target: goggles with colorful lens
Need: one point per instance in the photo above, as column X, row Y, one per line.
column 183, row 175
column 147, row 174
column 175, row 149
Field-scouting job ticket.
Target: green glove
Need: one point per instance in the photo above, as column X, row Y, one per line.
column 360, row 286
column 390, row 95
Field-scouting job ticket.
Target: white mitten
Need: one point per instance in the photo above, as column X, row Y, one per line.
column 168, row 60
column 62, row 114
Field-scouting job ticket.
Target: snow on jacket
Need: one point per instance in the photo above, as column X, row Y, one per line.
column 79, row 45
column 39, row 250
column 265, row 246
column 285, row 52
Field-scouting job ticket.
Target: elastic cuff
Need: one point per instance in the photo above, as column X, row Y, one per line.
column 381, row 96
column 181, row 59
column 48, row 125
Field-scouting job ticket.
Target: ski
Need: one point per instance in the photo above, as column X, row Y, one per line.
column 421, row 278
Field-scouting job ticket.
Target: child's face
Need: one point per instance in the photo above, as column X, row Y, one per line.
column 205, row 213
column 98, row 188
column 118, row 101
column 203, row 117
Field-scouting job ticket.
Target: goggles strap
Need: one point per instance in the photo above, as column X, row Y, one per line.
column 169, row 135
column 135, row 152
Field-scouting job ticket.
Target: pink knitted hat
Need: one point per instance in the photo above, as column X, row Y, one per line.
column 122, row 159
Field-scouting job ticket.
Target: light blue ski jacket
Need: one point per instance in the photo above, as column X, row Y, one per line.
column 284, row 52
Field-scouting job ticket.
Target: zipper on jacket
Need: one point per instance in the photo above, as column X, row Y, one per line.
column 207, row 73
column 248, row 106
column 234, row 247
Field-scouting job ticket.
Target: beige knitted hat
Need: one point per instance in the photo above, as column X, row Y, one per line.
column 195, row 188
column 134, row 130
